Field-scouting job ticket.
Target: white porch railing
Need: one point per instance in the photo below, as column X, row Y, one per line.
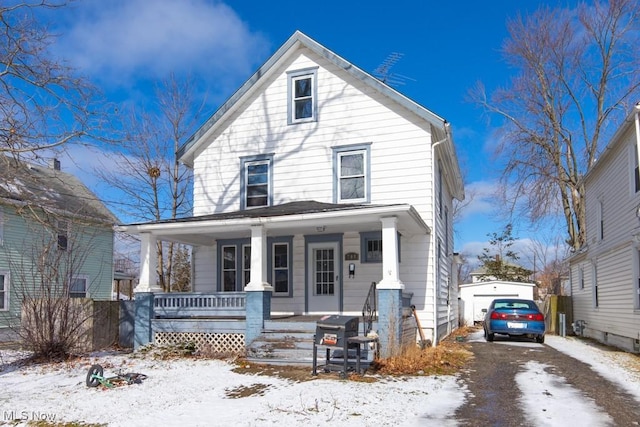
column 196, row 304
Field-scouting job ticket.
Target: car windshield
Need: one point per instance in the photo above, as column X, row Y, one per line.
column 515, row 304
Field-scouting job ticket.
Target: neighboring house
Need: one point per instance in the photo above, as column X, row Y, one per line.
column 312, row 181
column 51, row 226
column 476, row 297
column 605, row 272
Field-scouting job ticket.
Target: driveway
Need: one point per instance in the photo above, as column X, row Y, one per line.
column 520, row 383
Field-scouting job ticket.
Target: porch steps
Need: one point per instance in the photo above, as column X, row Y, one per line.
column 291, row 343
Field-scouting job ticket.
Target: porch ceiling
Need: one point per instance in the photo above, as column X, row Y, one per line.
column 287, row 219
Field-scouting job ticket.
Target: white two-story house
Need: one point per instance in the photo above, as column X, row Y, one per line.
column 605, row 273
column 313, row 181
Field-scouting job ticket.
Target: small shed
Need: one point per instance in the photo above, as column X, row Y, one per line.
column 476, row 297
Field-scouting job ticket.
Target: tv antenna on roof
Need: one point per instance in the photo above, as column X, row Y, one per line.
column 384, row 74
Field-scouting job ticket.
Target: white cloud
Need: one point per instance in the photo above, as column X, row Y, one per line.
column 481, row 199
column 150, row 38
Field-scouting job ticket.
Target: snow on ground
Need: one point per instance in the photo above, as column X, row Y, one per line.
column 545, row 397
column 200, row 393
column 208, row 393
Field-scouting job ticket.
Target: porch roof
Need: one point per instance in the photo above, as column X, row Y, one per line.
column 302, row 217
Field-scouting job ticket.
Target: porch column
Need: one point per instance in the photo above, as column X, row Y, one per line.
column 147, row 285
column 258, row 299
column 390, row 291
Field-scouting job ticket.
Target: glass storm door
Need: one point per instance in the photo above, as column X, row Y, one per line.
column 323, row 268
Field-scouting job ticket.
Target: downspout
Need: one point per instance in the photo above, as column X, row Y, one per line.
column 638, row 133
column 447, row 132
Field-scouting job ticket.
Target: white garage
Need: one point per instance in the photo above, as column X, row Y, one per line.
column 476, row 296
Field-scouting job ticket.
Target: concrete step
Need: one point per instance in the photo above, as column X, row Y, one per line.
column 295, row 347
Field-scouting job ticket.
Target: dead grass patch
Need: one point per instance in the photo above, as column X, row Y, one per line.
column 447, row 358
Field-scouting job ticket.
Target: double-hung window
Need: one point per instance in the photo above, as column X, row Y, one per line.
column 4, row 291
column 235, row 272
column 352, row 176
column 229, row 266
column 302, row 95
column 594, row 280
column 256, row 181
column 280, row 265
column 78, row 287
column 371, row 246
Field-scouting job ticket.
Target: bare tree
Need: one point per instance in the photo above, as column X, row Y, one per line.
column 499, row 261
column 547, row 258
column 577, row 72
column 153, row 185
column 43, row 104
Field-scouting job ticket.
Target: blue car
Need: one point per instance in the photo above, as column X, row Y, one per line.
column 514, row 317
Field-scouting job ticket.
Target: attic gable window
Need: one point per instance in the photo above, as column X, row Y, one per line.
column 352, row 181
column 302, row 96
column 256, row 181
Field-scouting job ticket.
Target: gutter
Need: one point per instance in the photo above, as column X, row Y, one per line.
column 637, row 114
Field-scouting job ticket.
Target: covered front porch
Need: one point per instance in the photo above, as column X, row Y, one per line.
column 302, row 258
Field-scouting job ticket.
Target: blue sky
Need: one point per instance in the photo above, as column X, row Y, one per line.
column 447, row 46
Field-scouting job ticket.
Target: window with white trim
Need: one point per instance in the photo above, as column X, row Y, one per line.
column 600, row 220
column 636, row 280
column 594, row 279
column 280, row 270
column 581, row 277
column 78, row 287
column 246, row 265
column 636, row 172
column 302, row 95
column 229, row 268
column 371, row 246
column 235, row 274
column 446, row 231
column 352, row 180
column 256, row 181
column 4, row 291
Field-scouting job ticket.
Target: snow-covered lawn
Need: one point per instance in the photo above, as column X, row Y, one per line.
column 189, row 392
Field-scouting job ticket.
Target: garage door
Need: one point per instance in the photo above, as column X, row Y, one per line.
column 481, row 302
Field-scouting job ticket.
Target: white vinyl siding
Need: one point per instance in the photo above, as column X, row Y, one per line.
column 609, row 268
column 1, row 226
column 350, row 115
column 303, row 164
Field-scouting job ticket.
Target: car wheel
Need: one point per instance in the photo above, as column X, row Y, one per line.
column 540, row 339
column 489, row 337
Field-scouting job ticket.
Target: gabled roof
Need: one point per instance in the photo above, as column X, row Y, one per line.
column 22, row 183
column 188, row 150
column 629, row 121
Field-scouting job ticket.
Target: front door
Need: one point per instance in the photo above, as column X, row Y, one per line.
column 323, row 269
